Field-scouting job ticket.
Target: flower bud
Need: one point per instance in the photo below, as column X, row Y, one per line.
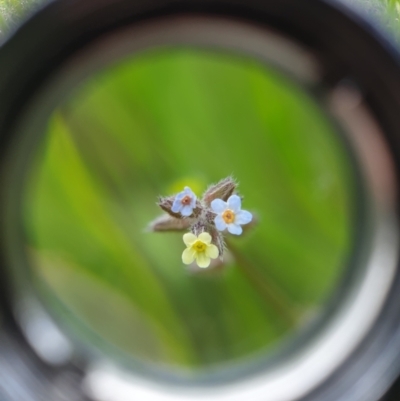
column 169, row 223
column 222, row 190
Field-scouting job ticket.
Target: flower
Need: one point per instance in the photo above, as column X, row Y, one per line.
column 184, row 202
column 230, row 215
column 199, row 248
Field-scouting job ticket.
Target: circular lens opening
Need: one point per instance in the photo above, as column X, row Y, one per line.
column 148, row 127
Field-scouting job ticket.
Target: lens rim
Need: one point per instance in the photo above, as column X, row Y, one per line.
column 223, row 36
column 380, row 90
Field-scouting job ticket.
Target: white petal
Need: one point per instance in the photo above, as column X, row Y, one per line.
column 234, row 203
column 189, row 239
column 220, row 223
column 187, row 210
column 243, row 217
column 218, row 205
column 234, row 229
column 205, row 237
column 177, row 205
column 203, row 260
column 188, row 256
column 212, row 251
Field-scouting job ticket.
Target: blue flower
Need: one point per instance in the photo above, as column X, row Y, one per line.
column 184, row 202
column 230, row 215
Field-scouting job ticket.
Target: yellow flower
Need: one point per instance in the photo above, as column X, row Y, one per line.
column 199, row 248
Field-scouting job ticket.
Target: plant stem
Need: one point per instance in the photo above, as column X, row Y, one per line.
column 266, row 288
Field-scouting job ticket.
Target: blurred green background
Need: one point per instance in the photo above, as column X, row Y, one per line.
column 148, row 127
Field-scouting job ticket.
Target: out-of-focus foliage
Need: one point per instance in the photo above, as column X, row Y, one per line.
column 391, row 17
column 13, row 11
column 385, row 13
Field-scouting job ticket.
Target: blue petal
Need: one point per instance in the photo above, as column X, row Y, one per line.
column 243, row 217
column 187, row 210
column 177, row 205
column 180, row 196
column 187, row 191
column 234, row 229
column 234, row 203
column 193, row 201
column 220, row 223
column 218, row 205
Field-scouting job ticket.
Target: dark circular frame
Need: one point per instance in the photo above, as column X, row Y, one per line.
column 345, row 46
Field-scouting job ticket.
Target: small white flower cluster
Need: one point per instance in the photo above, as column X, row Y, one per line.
column 218, row 210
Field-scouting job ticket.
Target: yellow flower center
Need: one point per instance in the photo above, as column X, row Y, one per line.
column 186, row 200
column 199, row 246
column 228, row 216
